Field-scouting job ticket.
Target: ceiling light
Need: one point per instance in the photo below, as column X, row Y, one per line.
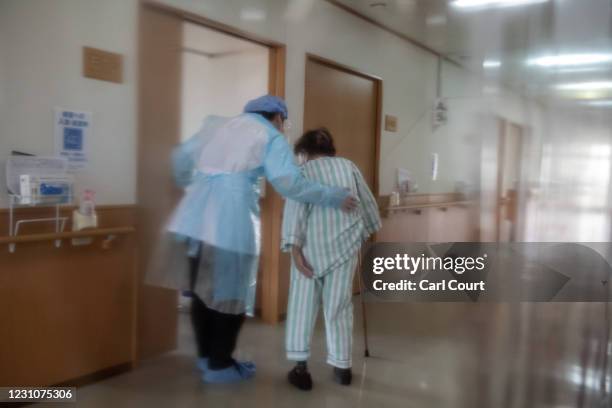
column 491, row 64
column 585, row 86
column 435, row 20
column 490, row 90
column 406, row 6
column 578, row 70
column 602, row 103
column 467, row 4
column 565, row 60
column 252, row 14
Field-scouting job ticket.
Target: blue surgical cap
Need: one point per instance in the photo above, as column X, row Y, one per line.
column 267, row 103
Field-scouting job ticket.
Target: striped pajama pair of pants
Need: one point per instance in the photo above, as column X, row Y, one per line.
column 335, row 291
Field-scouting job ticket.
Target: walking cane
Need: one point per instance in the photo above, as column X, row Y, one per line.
column 363, row 306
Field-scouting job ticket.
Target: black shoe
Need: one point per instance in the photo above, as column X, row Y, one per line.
column 300, row 378
column 343, row 376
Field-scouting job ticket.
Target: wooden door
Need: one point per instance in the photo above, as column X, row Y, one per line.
column 159, row 101
column 347, row 103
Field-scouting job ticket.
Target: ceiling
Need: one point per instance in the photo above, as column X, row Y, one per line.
column 510, row 36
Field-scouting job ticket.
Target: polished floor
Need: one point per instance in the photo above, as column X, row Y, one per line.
column 423, row 355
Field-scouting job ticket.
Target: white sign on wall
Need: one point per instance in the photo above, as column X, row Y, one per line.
column 434, row 166
column 440, row 113
column 72, row 133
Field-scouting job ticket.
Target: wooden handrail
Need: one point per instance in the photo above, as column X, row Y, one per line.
column 409, row 207
column 52, row 236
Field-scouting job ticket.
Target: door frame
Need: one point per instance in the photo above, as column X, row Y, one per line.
column 378, row 81
column 272, row 204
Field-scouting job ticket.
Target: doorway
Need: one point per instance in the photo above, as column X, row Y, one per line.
column 220, row 72
column 179, row 52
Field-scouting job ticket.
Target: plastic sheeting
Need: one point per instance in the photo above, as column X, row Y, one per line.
column 220, row 167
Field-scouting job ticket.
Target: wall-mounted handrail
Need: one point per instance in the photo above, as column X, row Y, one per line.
column 52, row 236
column 417, row 207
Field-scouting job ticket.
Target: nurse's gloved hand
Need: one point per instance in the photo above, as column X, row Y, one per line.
column 341, row 198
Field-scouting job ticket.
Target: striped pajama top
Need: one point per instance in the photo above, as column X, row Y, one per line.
column 329, row 236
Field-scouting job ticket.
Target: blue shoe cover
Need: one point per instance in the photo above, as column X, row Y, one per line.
column 236, row 373
column 202, row 364
column 247, row 366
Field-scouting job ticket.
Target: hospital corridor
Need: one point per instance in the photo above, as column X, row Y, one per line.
column 306, row 203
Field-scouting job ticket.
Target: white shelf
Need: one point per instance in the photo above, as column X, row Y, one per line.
column 54, row 202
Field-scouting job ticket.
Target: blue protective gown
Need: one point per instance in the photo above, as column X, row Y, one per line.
column 220, row 168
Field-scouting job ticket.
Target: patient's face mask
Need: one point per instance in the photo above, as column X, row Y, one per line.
column 301, row 158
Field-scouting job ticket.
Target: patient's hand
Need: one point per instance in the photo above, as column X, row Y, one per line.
column 300, row 262
column 349, row 204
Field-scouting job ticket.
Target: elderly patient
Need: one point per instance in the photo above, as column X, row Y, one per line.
column 324, row 243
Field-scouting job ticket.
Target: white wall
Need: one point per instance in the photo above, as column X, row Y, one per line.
column 195, row 100
column 220, row 85
column 41, row 69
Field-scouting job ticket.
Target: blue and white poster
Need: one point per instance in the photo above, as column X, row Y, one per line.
column 72, row 133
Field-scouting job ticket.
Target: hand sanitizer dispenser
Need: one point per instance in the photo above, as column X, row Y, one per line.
column 85, row 216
